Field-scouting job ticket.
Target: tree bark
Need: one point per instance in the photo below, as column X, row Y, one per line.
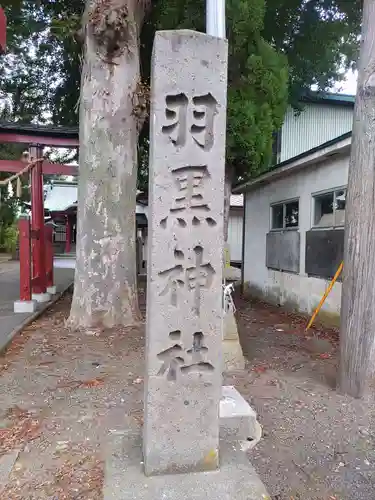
column 105, row 287
column 357, row 333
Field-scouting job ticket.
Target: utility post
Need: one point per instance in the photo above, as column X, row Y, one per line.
column 215, row 18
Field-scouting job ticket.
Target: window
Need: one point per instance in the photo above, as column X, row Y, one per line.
column 329, row 209
column 285, row 215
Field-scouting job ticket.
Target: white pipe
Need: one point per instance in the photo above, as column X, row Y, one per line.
column 215, row 18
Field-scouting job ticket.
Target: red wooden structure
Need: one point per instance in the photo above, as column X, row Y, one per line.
column 68, row 235
column 48, row 232
column 37, row 224
column 41, row 261
column 25, row 259
column 40, row 255
column 27, row 278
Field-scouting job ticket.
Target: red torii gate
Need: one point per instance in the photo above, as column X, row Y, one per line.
column 36, row 137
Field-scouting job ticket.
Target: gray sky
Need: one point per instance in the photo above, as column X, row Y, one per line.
column 349, row 86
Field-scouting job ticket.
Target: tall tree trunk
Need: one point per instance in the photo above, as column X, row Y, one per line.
column 357, row 335
column 105, row 287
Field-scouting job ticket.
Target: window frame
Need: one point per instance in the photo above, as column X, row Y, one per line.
column 315, row 195
column 284, row 203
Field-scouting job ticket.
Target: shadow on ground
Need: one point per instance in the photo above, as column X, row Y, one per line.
column 317, row 444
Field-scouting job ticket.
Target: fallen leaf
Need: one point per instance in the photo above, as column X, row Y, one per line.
column 260, row 369
column 325, row 355
column 95, row 382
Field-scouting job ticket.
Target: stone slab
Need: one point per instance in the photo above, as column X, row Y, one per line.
column 230, row 331
column 232, row 351
column 185, row 240
column 232, row 274
column 125, row 480
column 7, row 462
column 233, row 358
column 41, row 297
column 238, row 421
column 24, row 306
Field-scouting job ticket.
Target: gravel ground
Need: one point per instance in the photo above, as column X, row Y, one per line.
column 63, row 393
column 317, row 444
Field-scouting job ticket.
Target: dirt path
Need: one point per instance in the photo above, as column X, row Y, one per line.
column 64, row 393
column 317, row 444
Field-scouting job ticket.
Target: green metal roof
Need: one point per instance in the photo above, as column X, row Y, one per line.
column 329, row 98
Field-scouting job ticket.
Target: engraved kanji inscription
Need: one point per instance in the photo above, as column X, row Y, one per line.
column 193, row 278
column 201, row 113
column 176, row 114
column 205, row 109
column 188, row 181
column 189, row 199
column 177, row 360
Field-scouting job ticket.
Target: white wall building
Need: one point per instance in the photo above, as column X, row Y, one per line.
column 294, row 229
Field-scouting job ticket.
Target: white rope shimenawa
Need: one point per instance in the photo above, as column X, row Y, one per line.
column 17, row 177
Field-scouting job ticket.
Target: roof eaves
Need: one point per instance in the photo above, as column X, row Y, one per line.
column 329, row 98
column 279, row 167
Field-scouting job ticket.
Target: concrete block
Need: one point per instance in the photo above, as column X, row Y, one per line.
column 24, row 306
column 232, row 350
column 41, row 297
column 230, row 326
column 185, row 241
column 125, row 480
column 52, row 290
column 7, row 462
column 238, row 421
column 233, row 358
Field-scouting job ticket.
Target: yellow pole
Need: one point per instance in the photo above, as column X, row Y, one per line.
column 338, row 272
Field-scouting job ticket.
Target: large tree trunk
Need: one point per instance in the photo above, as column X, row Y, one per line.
column 105, row 288
column 357, row 333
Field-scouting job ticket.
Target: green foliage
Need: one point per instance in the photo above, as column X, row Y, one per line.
column 8, row 238
column 9, row 204
column 305, row 42
column 257, row 77
column 258, row 90
column 318, row 37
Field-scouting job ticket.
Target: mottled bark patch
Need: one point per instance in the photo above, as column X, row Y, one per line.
column 110, row 25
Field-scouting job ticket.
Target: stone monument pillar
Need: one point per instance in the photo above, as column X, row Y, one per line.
column 185, row 248
column 185, row 403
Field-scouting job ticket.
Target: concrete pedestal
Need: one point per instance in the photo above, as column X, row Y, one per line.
column 125, row 480
column 238, row 421
column 233, row 358
column 41, row 297
column 24, row 306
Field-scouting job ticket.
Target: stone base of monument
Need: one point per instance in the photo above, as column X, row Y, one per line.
column 235, row 480
column 125, row 480
column 232, row 351
column 238, row 421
